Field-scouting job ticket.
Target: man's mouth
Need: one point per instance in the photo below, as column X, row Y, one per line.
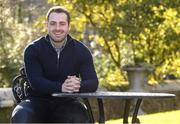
column 57, row 34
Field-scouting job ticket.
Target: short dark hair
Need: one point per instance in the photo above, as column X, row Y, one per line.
column 58, row 9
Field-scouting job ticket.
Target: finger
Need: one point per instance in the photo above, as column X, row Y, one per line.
column 76, row 86
column 67, row 81
column 78, row 79
column 69, row 77
column 75, row 91
column 73, row 76
column 66, row 89
column 73, row 85
column 73, row 80
column 69, row 89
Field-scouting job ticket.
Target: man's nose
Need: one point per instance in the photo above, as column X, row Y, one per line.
column 58, row 27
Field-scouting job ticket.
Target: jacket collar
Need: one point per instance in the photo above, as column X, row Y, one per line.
column 69, row 38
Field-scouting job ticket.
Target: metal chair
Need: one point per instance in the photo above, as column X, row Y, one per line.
column 20, row 84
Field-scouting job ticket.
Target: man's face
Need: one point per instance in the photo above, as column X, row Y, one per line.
column 58, row 26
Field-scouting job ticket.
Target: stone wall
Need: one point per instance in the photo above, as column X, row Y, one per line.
column 6, row 97
column 113, row 108
column 6, row 103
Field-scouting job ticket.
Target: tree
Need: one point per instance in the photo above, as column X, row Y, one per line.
column 14, row 35
column 150, row 28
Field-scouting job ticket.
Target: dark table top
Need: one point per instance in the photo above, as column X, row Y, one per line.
column 111, row 94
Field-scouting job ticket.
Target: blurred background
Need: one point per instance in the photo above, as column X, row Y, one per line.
column 118, row 32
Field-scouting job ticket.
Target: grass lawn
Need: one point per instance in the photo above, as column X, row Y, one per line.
column 170, row 117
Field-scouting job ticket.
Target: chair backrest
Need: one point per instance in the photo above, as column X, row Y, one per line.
column 19, row 86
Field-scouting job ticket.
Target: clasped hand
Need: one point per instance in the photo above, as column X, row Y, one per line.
column 71, row 84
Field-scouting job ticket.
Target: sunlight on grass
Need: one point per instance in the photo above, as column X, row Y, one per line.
column 171, row 117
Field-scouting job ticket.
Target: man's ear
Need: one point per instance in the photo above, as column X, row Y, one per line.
column 69, row 27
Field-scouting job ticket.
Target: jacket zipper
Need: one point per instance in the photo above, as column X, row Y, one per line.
column 58, row 57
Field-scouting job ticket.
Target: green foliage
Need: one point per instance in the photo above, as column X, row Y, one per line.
column 13, row 38
column 109, row 75
column 119, row 32
column 130, row 31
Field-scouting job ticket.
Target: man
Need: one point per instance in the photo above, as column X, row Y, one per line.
column 56, row 63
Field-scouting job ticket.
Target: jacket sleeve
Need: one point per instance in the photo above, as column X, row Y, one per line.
column 89, row 80
column 35, row 75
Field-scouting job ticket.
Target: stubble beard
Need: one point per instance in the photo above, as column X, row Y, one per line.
column 58, row 41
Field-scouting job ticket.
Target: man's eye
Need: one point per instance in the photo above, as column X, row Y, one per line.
column 62, row 23
column 52, row 23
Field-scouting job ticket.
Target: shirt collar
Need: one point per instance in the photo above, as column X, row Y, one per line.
column 56, row 48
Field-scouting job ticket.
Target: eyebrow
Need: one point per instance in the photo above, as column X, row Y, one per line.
column 59, row 21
